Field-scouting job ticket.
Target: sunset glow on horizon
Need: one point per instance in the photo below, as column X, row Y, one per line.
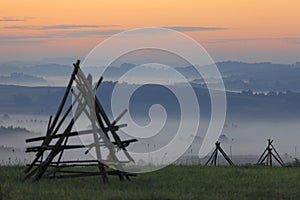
column 249, row 30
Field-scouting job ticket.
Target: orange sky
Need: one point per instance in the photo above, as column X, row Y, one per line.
column 262, row 30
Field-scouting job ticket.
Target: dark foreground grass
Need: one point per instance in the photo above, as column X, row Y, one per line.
column 173, row 182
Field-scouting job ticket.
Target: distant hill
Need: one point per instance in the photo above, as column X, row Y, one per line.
column 47, row 69
column 265, row 76
column 244, row 105
column 21, row 78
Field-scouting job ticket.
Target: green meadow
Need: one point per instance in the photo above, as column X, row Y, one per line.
column 173, row 182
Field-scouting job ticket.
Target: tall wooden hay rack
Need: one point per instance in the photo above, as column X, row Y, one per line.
column 49, row 162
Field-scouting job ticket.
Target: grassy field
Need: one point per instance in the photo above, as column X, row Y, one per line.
column 173, row 182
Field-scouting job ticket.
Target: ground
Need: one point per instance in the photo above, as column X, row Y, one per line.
column 173, row 182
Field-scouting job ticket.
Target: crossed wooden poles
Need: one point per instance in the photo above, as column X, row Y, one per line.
column 212, row 161
column 104, row 134
column 267, row 156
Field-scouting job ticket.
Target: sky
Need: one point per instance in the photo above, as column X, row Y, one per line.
column 247, row 30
